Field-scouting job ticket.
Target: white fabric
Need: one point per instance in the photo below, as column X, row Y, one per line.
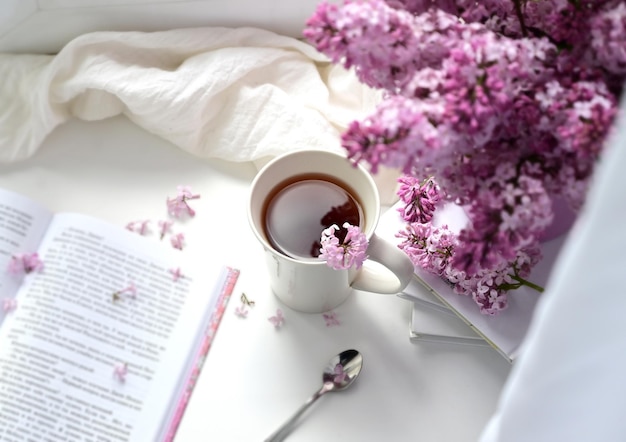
column 237, row 94
column 569, row 384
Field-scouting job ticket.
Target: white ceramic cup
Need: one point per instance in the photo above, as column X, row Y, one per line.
column 310, row 285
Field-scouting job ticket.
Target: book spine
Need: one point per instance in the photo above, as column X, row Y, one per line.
column 216, row 317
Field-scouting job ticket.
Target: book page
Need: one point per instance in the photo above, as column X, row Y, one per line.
column 22, row 225
column 61, row 346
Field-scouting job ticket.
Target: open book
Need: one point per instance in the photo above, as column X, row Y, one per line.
column 504, row 332
column 77, row 362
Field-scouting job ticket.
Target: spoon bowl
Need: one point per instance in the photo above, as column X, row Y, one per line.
column 341, row 372
column 343, row 369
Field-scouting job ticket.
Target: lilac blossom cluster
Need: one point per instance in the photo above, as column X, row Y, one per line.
column 346, row 249
column 434, row 248
column 506, row 104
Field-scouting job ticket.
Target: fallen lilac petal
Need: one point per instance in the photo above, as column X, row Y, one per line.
column 164, row 227
column 9, row 304
column 331, row 319
column 241, row 311
column 277, row 320
column 340, row 375
column 176, row 273
column 120, row 371
column 177, row 241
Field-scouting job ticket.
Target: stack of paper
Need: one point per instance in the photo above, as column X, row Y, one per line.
column 441, row 315
column 431, row 320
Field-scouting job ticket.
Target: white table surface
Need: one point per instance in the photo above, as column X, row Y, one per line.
column 256, row 376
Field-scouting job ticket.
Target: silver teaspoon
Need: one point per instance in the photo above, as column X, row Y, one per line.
column 339, row 374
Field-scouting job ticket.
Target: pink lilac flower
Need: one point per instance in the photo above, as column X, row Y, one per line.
column 348, row 35
column 179, row 206
column 563, row 21
column 140, row 227
column 608, row 34
column 421, row 6
column 241, row 311
column 580, row 115
column 351, row 251
column 330, row 318
column 130, row 291
column 277, row 320
column 25, row 263
column 506, row 217
column 420, row 198
column 176, row 273
column 432, row 249
column 506, row 104
column 143, row 227
column 164, row 227
column 490, row 288
column 340, row 375
column 178, row 241
column 399, row 132
column 428, row 247
column 120, row 371
column 9, row 304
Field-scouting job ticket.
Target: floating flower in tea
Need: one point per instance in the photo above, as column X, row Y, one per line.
column 343, row 251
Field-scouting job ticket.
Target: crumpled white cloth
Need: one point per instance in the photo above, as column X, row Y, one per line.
column 237, row 94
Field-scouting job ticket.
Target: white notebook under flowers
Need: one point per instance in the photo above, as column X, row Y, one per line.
column 433, row 321
column 504, row 332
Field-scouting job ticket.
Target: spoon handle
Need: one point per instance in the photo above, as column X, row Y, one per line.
column 286, row 428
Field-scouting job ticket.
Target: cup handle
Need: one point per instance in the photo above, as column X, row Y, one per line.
column 397, row 275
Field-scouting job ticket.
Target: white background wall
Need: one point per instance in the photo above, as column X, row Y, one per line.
column 45, row 26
